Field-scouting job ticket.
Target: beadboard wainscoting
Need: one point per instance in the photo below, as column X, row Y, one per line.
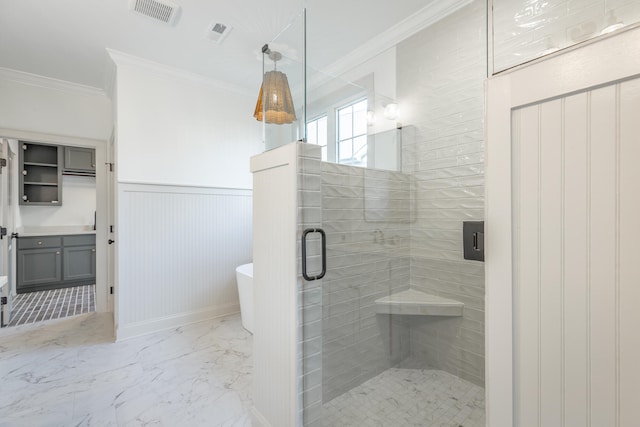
column 275, row 282
column 178, row 248
column 575, row 286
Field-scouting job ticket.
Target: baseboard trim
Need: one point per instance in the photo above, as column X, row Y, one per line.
column 146, row 327
column 257, row 419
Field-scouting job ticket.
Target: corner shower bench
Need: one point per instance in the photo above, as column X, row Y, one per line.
column 413, row 302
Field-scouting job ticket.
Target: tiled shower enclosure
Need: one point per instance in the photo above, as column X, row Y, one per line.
column 388, row 232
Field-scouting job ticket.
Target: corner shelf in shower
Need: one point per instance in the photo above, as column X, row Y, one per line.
column 413, row 302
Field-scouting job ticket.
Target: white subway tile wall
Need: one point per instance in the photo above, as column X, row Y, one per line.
column 310, row 292
column 367, row 259
column 526, row 29
column 440, row 90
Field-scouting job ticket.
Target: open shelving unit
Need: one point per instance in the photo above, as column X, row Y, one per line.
column 41, row 176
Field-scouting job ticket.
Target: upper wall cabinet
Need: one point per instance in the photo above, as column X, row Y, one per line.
column 79, row 161
column 41, row 174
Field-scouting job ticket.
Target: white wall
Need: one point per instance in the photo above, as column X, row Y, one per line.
column 37, row 104
column 178, row 248
column 375, row 79
column 383, row 67
column 54, row 108
column 37, row 108
column 181, row 142
column 178, row 129
column 78, row 205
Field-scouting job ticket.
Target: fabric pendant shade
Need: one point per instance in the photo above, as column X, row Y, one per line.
column 275, row 99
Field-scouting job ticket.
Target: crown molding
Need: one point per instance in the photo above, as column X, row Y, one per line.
column 48, row 82
column 121, row 58
column 28, row 135
column 428, row 15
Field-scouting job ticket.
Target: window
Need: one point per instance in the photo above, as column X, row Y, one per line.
column 352, row 134
column 317, row 134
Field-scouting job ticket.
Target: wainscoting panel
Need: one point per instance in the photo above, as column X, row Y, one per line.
column 276, row 336
column 178, row 248
column 576, row 293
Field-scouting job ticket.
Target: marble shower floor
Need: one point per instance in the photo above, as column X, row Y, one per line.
column 70, row 372
column 409, row 397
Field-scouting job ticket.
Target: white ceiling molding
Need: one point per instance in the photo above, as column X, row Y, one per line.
column 48, row 82
column 121, row 58
column 409, row 26
column 28, row 135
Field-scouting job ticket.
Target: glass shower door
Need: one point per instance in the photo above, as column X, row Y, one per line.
column 347, row 341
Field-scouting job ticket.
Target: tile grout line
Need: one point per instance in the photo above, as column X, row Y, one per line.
column 44, row 305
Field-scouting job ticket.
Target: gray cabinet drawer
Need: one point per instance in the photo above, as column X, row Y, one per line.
column 39, row 242
column 80, row 240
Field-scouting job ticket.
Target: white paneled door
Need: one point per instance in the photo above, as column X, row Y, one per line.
column 7, row 206
column 563, row 239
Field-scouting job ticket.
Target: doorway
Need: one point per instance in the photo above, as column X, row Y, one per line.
column 562, row 154
column 97, row 292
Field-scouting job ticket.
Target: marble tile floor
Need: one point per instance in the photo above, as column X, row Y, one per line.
column 401, row 397
column 69, row 372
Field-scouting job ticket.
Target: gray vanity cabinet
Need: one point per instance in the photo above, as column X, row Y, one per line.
column 39, row 266
column 79, row 161
column 51, row 262
column 79, row 261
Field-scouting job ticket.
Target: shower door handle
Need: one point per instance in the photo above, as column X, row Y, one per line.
column 323, row 239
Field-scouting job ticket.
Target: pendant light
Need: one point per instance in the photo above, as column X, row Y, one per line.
column 274, row 100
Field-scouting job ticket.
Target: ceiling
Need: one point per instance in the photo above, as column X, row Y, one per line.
column 67, row 39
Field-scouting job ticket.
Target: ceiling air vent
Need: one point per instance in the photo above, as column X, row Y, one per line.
column 217, row 32
column 162, row 11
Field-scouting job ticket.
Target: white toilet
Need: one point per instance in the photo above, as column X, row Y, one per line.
column 244, row 278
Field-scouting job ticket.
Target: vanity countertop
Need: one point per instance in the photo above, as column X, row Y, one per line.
column 56, row 230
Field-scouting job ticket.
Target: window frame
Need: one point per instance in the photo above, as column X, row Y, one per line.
column 330, row 108
column 351, row 103
column 316, row 118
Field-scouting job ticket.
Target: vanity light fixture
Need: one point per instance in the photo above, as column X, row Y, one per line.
column 274, row 104
column 371, row 117
column 612, row 23
column 391, row 111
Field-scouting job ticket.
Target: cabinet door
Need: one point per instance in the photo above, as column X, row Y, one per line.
column 39, row 266
column 79, row 159
column 79, row 263
column 40, row 174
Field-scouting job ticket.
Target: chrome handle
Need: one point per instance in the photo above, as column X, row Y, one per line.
column 24, row 172
column 39, row 242
column 93, row 250
column 58, row 253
